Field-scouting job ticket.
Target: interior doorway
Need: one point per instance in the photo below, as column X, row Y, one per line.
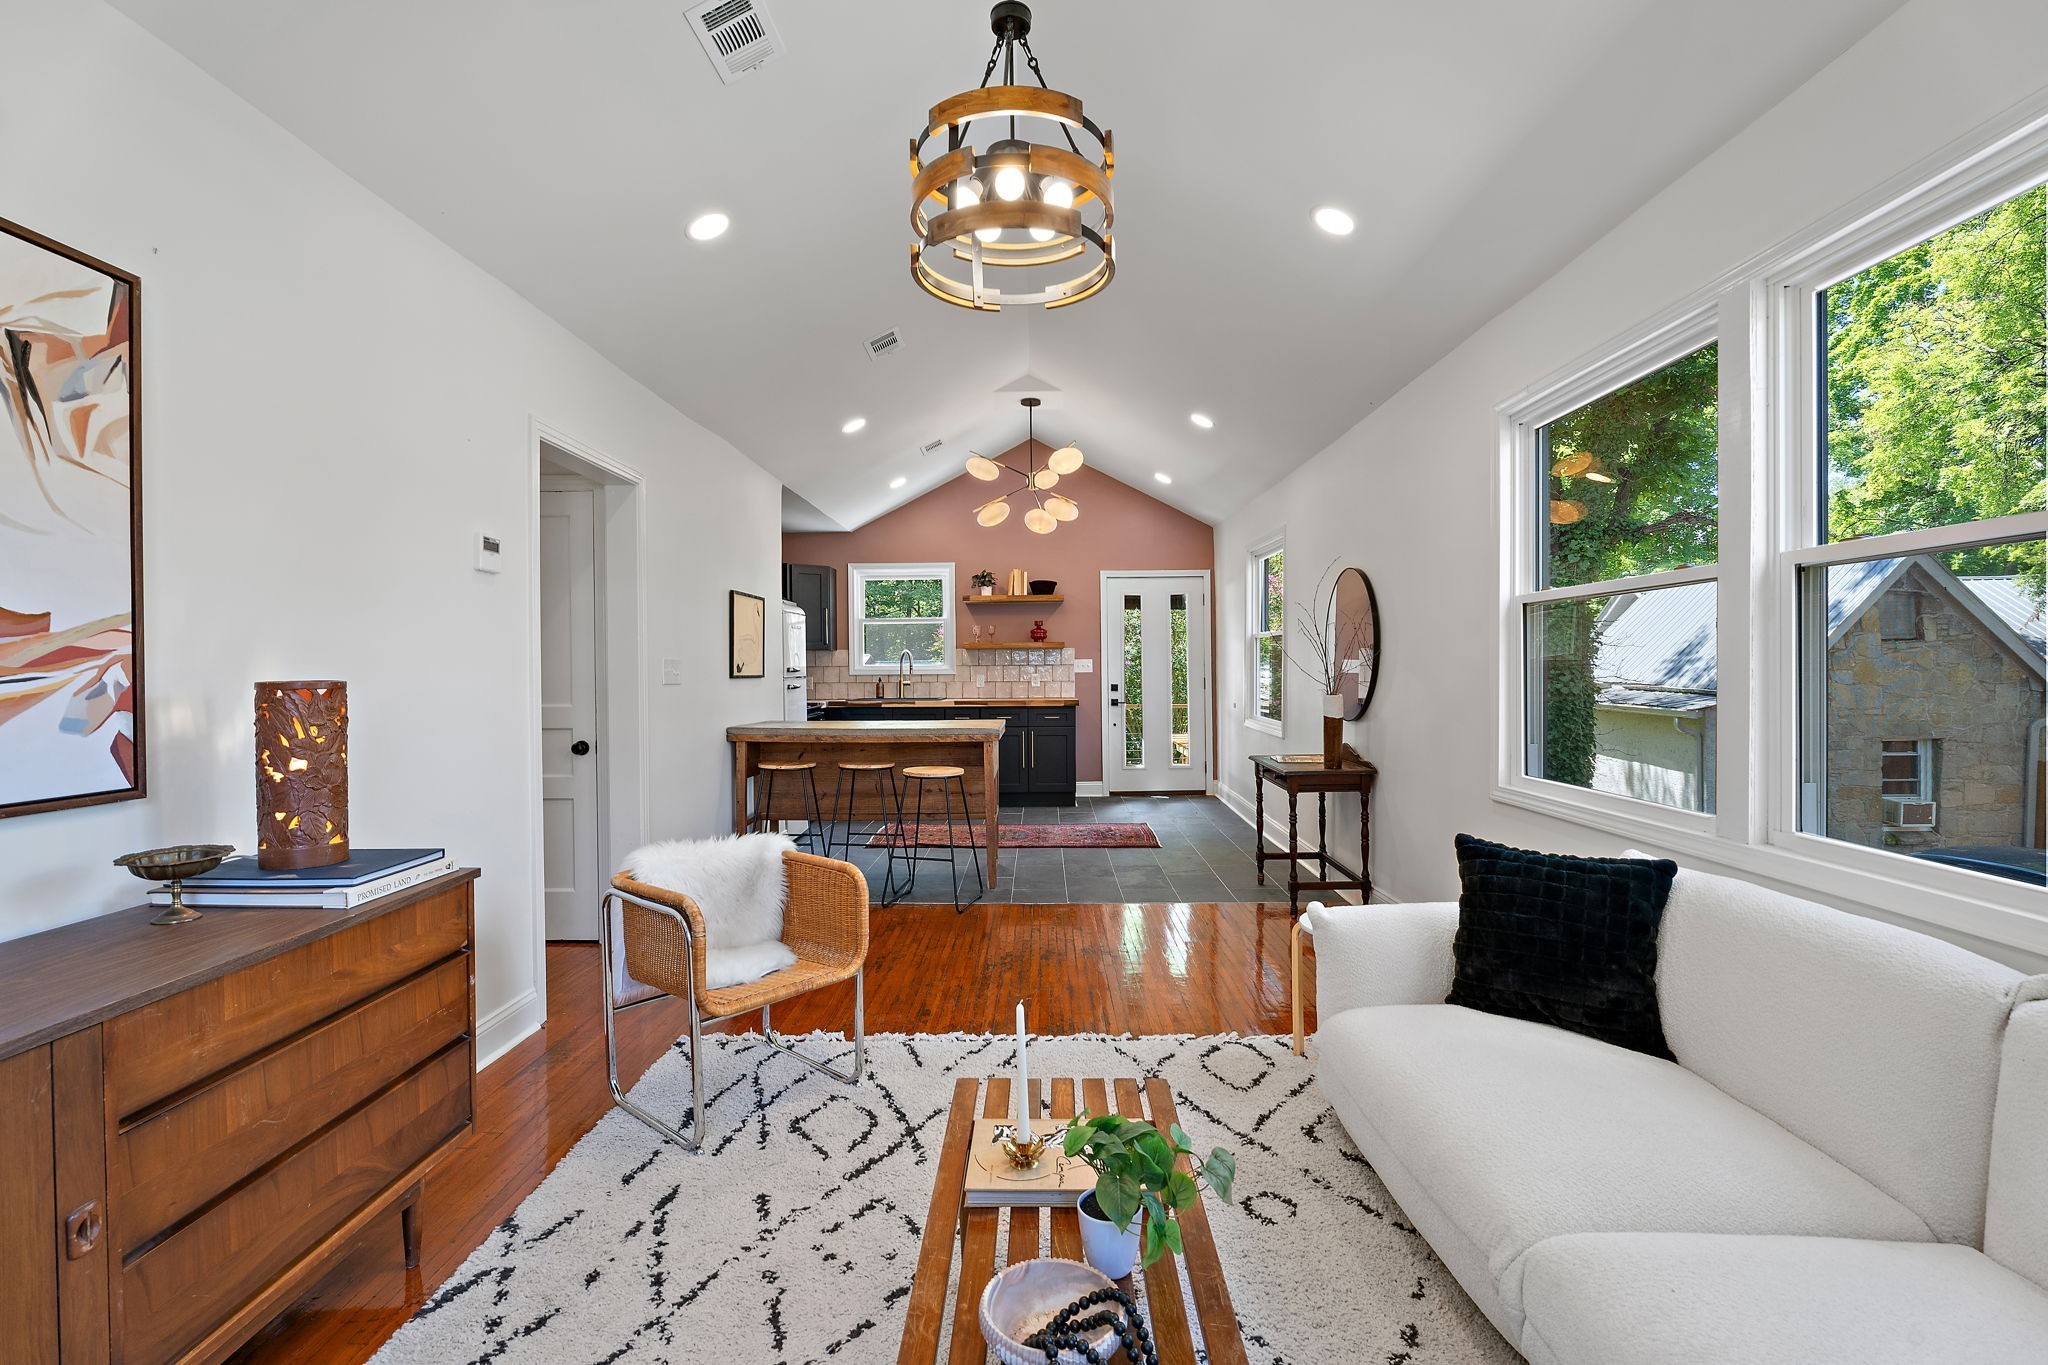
column 588, row 672
column 1155, row 652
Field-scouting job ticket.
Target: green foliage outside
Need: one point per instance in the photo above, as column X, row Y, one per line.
column 1634, row 489
column 904, row 613
column 1938, row 385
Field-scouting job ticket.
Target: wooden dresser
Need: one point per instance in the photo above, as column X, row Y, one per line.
column 195, row 1119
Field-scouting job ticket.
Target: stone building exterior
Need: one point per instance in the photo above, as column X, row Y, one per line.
column 1929, row 687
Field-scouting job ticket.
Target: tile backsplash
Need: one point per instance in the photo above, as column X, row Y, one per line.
column 1000, row 674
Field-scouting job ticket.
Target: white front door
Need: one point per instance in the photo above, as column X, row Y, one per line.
column 1155, row 685
column 571, row 878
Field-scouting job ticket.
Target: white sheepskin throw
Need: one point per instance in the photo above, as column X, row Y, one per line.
column 738, row 883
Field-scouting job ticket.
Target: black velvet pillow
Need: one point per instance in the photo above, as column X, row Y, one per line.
column 1562, row 940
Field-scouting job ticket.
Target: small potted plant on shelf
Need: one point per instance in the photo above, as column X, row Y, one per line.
column 1139, row 1187
column 986, row 582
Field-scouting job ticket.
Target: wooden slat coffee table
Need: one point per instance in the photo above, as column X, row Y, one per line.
column 1033, row 1232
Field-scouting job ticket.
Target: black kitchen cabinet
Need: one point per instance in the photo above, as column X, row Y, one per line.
column 815, row 588
column 1037, row 755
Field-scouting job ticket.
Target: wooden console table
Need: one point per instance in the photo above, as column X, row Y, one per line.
column 1295, row 775
column 197, row 1119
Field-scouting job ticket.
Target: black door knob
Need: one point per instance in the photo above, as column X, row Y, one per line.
column 580, row 747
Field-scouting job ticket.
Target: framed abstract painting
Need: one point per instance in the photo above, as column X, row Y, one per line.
column 748, row 636
column 71, row 730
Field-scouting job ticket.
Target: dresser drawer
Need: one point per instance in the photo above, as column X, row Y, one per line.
column 174, row 1292
column 157, row 1050
column 181, row 1154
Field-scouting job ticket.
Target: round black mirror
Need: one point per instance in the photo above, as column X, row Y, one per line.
column 1355, row 639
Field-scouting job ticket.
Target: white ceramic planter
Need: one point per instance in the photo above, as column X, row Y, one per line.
column 1111, row 1250
column 1333, row 705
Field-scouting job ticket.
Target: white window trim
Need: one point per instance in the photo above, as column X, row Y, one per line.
column 858, row 574
column 1769, row 520
column 1523, row 498
column 1255, row 559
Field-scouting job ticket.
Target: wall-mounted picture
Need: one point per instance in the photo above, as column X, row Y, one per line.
column 70, row 528
column 749, row 635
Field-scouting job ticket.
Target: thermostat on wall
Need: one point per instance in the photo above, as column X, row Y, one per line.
column 489, row 553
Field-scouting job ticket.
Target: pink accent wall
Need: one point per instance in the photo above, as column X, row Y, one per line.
column 1119, row 527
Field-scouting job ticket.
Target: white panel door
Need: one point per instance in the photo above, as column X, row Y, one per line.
column 571, row 877
column 1155, row 665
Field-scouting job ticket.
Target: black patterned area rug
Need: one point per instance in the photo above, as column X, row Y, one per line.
column 793, row 1235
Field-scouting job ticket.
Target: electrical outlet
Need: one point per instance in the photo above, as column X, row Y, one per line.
column 671, row 672
column 1084, row 665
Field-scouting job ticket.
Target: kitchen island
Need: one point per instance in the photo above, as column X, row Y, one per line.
column 971, row 745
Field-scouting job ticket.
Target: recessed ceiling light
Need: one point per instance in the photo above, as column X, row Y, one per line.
column 851, row 425
column 1334, row 221
column 1202, row 420
column 899, row 481
column 706, row 226
column 1164, row 478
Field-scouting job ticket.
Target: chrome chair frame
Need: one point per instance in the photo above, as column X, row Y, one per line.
column 608, row 954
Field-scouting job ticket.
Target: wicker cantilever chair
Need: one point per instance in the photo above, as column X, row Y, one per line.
column 824, row 922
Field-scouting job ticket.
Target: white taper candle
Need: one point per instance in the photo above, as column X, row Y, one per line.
column 1023, row 1081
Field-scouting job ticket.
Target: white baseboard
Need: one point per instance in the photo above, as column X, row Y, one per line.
column 1091, row 789
column 507, row 1026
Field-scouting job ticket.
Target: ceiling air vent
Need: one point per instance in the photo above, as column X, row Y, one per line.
column 737, row 35
column 929, row 446
column 888, row 343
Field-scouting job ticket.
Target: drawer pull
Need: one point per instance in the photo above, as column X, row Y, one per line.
column 82, row 1230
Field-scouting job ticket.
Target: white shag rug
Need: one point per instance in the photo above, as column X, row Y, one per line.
column 792, row 1236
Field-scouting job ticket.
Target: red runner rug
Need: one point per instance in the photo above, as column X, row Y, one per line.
column 1034, row 836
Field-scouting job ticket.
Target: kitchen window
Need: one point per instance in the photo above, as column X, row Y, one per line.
column 1268, row 619
column 898, row 607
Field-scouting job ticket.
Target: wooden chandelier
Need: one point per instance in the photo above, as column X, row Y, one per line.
column 1019, row 205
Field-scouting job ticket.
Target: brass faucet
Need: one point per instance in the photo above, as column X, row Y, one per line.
column 903, row 670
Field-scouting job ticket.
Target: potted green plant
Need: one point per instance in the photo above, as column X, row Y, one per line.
column 1139, row 1185
column 986, row 581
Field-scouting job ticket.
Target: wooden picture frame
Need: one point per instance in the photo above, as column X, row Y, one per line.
column 71, row 676
column 747, row 634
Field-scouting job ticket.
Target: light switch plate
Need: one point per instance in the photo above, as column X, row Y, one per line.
column 489, row 553
column 671, row 672
column 1084, row 665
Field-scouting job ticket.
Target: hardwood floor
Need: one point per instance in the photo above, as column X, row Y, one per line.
column 1203, row 968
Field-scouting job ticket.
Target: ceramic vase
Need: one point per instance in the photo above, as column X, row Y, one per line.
column 1333, row 730
column 1038, row 631
column 1110, row 1249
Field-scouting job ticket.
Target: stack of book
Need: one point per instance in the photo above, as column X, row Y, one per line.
column 364, row 875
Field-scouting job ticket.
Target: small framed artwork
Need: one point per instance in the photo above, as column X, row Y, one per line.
column 70, row 528
column 749, row 635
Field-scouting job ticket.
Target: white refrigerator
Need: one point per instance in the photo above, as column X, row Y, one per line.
column 796, row 685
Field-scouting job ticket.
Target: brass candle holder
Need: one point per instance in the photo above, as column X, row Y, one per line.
column 173, row 865
column 1022, row 1154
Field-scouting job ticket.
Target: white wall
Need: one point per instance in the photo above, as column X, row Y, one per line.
column 1405, row 494
column 333, row 404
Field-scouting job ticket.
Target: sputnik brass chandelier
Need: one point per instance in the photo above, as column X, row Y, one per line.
column 1023, row 207
column 1047, row 510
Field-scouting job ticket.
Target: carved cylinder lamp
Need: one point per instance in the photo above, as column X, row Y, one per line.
column 301, row 774
column 1016, row 222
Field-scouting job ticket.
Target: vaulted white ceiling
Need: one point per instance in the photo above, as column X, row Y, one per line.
column 563, row 146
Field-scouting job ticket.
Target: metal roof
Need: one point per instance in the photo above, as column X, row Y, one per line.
column 1662, row 641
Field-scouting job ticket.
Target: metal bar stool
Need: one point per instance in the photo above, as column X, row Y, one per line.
column 764, row 802
column 949, row 779
column 889, row 795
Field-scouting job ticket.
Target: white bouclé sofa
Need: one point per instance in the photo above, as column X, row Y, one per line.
column 1847, row 1163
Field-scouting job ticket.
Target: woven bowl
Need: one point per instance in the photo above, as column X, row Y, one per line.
column 1021, row 1298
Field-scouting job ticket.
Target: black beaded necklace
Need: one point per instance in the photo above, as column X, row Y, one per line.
column 1069, row 1331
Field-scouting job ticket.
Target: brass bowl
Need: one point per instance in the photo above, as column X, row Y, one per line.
column 173, row 864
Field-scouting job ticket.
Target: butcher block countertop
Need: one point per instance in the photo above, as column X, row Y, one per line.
column 954, row 731
column 909, row 702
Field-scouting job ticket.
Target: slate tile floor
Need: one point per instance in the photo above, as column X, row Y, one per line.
column 1204, row 854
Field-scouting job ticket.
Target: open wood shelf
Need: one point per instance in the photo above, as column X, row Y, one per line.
column 1028, row 597
column 1013, row 644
